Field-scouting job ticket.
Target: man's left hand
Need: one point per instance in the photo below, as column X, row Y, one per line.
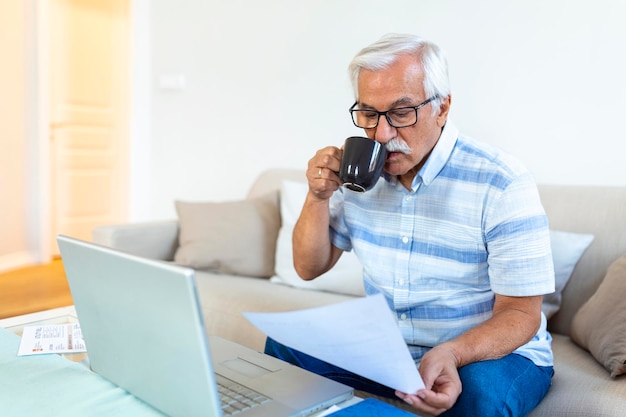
column 438, row 369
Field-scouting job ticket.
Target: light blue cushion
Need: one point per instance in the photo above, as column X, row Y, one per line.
column 49, row 385
column 567, row 248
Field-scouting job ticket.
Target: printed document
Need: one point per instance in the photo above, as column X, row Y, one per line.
column 359, row 335
column 51, row 338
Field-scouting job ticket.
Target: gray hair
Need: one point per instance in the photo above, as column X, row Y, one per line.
column 383, row 53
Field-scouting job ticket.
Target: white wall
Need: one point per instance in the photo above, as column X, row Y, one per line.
column 266, row 84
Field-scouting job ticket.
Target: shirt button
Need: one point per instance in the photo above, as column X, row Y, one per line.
column 403, row 316
column 405, row 239
column 409, row 198
column 401, row 282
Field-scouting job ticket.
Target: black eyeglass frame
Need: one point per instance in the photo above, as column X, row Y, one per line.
column 384, row 113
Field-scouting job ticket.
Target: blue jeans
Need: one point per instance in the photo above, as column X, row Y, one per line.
column 510, row 386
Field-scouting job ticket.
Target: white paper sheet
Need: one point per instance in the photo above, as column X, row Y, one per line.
column 359, row 335
column 51, row 338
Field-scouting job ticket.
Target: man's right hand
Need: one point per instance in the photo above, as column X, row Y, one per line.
column 322, row 172
column 313, row 253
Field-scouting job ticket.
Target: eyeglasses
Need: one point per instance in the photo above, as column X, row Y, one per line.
column 398, row 117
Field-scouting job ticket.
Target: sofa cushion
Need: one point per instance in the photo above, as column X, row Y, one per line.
column 599, row 325
column 567, row 248
column 346, row 277
column 580, row 386
column 237, row 237
column 224, row 297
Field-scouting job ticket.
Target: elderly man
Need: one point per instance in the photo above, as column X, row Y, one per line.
column 453, row 235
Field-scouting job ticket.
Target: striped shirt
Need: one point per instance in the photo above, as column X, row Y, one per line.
column 471, row 227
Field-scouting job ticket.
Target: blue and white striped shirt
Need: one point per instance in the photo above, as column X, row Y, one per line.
column 472, row 226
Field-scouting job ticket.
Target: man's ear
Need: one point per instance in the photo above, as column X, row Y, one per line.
column 444, row 109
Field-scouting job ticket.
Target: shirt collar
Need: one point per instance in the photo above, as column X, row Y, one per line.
column 436, row 160
column 440, row 154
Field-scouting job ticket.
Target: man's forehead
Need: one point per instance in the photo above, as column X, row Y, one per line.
column 399, row 84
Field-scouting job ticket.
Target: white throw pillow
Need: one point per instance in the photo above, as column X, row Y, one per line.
column 567, row 248
column 346, row 277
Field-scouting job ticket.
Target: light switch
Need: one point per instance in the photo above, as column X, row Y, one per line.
column 172, row 82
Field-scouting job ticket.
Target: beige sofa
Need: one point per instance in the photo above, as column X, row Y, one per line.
column 581, row 385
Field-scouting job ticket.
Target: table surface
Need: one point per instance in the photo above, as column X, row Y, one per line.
column 60, row 315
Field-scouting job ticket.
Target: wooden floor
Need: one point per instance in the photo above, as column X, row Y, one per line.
column 33, row 289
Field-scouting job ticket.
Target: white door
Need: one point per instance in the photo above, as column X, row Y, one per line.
column 89, row 75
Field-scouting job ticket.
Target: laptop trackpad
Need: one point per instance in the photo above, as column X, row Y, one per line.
column 245, row 367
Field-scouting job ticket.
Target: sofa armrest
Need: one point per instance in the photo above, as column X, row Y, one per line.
column 154, row 240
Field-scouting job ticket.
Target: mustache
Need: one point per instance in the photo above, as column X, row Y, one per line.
column 398, row 145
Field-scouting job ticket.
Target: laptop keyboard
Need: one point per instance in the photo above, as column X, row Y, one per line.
column 236, row 398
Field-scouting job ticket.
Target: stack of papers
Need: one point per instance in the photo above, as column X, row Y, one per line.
column 360, row 335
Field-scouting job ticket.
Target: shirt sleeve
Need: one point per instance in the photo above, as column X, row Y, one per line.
column 339, row 234
column 518, row 241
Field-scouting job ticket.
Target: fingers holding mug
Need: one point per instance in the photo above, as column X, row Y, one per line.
column 325, row 173
column 322, row 172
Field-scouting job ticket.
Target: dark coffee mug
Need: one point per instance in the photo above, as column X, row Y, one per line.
column 362, row 163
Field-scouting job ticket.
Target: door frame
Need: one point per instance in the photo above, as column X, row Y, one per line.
column 138, row 121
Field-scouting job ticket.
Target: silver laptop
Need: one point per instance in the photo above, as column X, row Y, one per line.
column 142, row 324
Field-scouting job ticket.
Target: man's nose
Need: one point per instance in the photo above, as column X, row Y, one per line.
column 384, row 131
